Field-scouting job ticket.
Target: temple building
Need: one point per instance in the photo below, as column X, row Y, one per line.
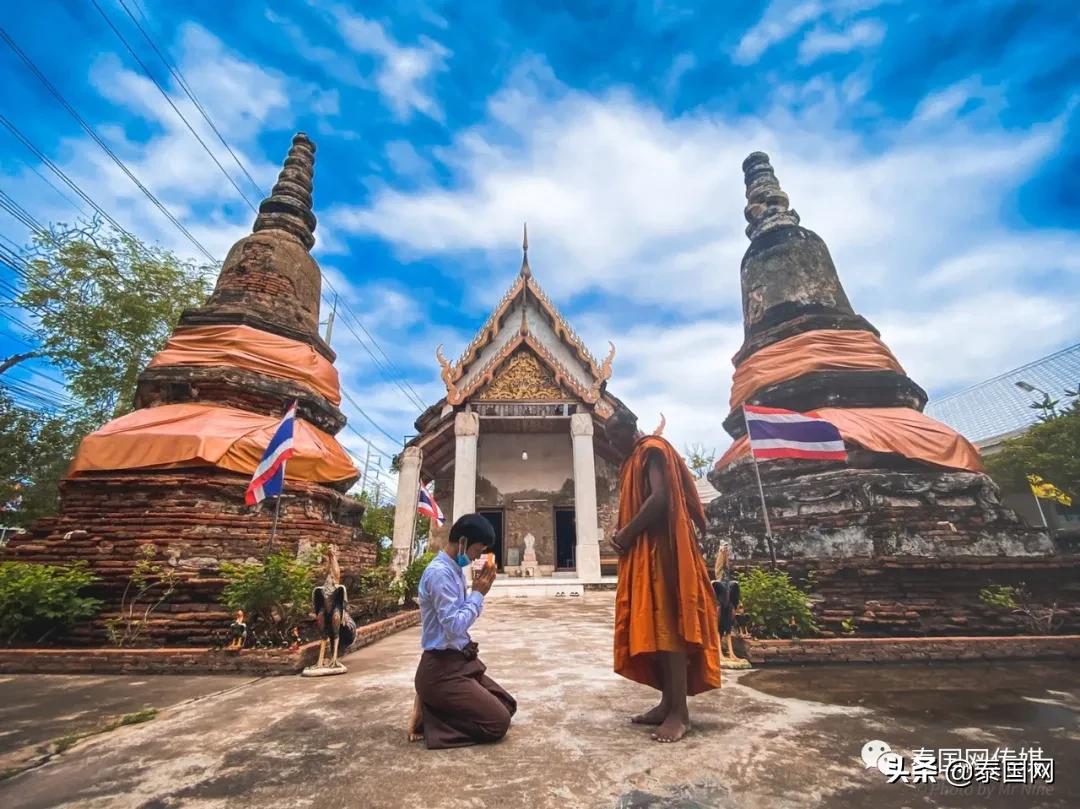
column 899, row 538
column 168, row 479
column 518, row 438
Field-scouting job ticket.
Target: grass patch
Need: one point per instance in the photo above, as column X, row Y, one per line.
column 69, row 740
column 137, row 718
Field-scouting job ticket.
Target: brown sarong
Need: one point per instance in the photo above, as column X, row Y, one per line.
column 461, row 705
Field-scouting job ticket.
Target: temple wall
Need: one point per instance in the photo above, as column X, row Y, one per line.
column 530, row 491
column 195, row 520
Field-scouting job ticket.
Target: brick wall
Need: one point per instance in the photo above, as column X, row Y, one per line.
column 908, row 650
column 195, row 521
column 914, row 597
column 189, row 660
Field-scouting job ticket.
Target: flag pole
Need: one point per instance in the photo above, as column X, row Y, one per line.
column 1038, row 505
column 761, row 491
column 277, row 512
column 277, row 505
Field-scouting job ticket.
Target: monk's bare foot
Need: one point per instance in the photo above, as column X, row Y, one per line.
column 415, row 721
column 673, row 729
column 654, row 717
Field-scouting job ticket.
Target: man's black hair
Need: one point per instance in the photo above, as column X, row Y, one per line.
column 473, row 528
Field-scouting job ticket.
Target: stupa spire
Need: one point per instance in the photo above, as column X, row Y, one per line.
column 288, row 207
column 767, row 206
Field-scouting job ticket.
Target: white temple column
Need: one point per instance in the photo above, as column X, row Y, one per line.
column 588, row 531
column 466, row 430
column 408, row 493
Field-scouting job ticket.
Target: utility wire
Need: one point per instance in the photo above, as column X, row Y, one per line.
column 105, row 147
column 59, row 173
column 175, row 71
column 176, row 109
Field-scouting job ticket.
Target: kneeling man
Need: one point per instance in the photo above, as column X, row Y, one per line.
column 457, row 704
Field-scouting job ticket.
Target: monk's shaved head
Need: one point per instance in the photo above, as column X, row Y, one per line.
column 622, row 430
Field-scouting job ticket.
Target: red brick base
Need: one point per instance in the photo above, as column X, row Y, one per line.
column 265, row 662
column 909, row 650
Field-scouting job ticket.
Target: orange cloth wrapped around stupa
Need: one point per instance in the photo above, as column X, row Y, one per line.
column 252, row 350
column 185, row 435
column 899, row 430
column 664, row 600
column 817, row 350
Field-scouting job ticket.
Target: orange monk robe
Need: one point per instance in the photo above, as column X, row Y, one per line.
column 664, row 601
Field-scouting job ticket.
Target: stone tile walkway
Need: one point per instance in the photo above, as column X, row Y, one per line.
column 769, row 738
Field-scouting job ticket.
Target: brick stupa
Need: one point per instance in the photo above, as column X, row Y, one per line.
column 173, row 472
column 901, row 537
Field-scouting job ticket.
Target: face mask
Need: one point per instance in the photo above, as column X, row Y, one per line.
column 462, row 559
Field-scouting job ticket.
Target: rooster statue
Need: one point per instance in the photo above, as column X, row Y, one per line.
column 336, row 626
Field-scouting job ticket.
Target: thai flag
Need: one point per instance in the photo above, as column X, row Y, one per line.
column 429, row 508
column 776, row 433
column 269, row 477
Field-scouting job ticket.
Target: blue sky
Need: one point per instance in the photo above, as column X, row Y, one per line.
column 933, row 146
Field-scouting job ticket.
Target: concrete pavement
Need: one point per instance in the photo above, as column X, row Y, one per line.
column 769, row 738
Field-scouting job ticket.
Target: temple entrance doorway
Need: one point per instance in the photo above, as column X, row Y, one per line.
column 565, row 539
column 495, row 517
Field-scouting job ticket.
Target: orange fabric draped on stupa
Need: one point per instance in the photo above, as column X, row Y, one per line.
column 650, row 606
column 253, row 350
column 179, row 435
column 817, row 350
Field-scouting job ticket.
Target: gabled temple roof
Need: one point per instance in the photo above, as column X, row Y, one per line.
column 526, row 318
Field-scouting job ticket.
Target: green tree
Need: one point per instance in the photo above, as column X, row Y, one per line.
column 699, row 459
column 1050, row 449
column 378, row 520
column 104, row 303
column 35, row 449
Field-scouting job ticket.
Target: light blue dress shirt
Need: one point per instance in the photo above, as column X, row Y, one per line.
column 446, row 612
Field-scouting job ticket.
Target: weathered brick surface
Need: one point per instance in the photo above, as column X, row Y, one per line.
column 194, row 520
column 188, row 660
column 914, row 597
column 908, row 650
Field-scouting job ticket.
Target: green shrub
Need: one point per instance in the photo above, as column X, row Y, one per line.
column 149, row 586
column 410, row 579
column 39, row 600
column 275, row 594
column 1034, row 618
column 374, row 594
column 774, row 606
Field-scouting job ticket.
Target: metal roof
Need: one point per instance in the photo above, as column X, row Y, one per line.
column 998, row 407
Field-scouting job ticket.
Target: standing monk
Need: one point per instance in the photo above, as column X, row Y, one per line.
column 665, row 614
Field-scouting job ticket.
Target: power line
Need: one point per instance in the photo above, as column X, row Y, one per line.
column 346, row 314
column 104, row 146
column 176, row 109
column 175, row 71
column 14, row 130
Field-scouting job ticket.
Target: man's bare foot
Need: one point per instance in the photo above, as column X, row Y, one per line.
column 672, row 730
column 654, row 717
column 415, row 721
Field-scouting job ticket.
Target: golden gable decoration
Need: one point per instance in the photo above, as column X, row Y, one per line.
column 523, row 379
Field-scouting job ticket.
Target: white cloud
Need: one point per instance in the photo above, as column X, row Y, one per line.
column 243, row 100
column 783, row 19
column 647, row 211
column 403, row 73
column 821, row 41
